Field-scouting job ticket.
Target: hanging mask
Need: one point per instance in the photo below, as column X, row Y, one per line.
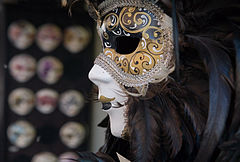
column 50, row 69
column 68, row 157
column 72, row 134
column 22, row 34
column 21, row 101
column 76, row 38
column 47, row 100
column 137, row 43
column 49, row 37
column 44, row 157
column 21, row 133
column 22, row 67
column 71, row 103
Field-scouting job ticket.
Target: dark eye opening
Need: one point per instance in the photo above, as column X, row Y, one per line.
column 126, row 45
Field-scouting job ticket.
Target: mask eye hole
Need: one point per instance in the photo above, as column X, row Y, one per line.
column 126, row 45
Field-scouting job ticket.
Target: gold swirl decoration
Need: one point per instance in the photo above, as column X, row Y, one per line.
column 111, row 21
column 141, row 62
column 152, row 48
column 133, row 21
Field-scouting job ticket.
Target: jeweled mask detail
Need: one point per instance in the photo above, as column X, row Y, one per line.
column 137, row 43
column 134, row 39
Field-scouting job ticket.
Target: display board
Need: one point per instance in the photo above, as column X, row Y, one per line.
column 48, row 55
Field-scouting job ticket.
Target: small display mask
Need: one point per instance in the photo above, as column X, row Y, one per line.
column 22, row 67
column 76, row 38
column 21, row 101
column 21, row 134
column 22, row 34
column 68, row 157
column 49, row 37
column 71, row 103
column 47, row 100
column 72, row 134
column 44, row 157
column 50, row 69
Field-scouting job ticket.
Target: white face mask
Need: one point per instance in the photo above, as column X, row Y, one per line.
column 112, row 96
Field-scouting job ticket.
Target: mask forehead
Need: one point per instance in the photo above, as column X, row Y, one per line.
column 128, row 20
column 134, row 39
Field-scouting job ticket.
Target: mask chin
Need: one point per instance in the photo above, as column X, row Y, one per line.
column 110, row 92
column 117, row 120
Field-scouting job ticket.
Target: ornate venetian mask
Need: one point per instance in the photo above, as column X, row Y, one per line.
column 137, row 50
column 137, row 44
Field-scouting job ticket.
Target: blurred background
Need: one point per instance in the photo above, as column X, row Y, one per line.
column 47, row 110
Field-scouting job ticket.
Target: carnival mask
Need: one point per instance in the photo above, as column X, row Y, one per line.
column 44, row 157
column 76, row 38
column 21, row 133
column 47, row 100
column 72, row 134
column 22, row 34
column 49, row 37
column 21, row 101
column 137, row 51
column 137, row 44
column 50, row 69
column 22, row 67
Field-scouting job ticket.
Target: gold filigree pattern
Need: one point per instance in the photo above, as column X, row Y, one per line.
column 140, row 19
column 134, row 21
column 111, row 21
column 152, row 48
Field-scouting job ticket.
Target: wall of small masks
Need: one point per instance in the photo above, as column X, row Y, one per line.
column 48, row 58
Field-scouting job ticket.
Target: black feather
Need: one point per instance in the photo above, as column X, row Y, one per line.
column 163, row 113
column 171, row 125
column 229, row 148
column 104, row 122
column 144, row 131
column 87, row 156
column 219, row 67
column 236, row 117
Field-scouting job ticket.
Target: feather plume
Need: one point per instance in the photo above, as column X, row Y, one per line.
column 192, row 107
column 162, row 112
column 171, row 125
column 219, row 67
column 144, row 131
column 113, row 145
column 229, row 148
column 236, row 119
